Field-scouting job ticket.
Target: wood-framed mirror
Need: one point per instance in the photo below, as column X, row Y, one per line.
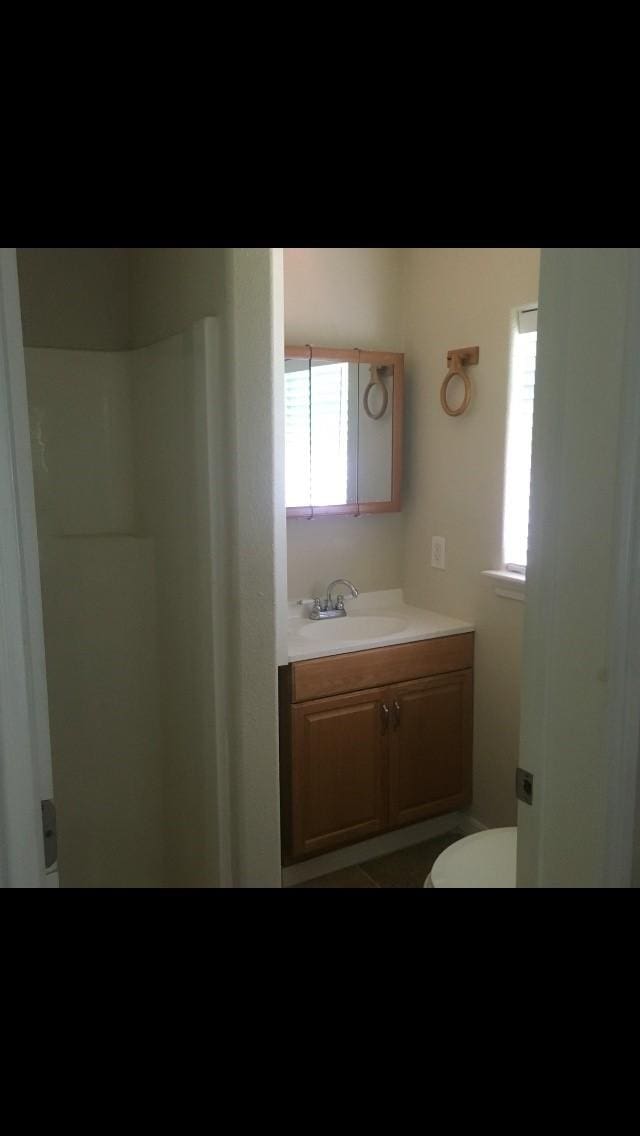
column 343, row 431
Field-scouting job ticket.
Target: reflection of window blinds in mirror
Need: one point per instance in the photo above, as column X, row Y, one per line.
column 319, row 478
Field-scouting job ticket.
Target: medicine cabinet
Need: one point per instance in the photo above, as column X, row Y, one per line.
column 343, row 431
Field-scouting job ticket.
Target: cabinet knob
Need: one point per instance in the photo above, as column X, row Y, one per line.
column 396, row 714
column 384, row 710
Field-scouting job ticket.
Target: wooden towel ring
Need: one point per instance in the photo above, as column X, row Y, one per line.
column 376, row 381
column 457, row 360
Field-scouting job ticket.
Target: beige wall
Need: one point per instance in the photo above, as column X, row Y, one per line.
column 344, row 297
column 458, row 297
column 366, row 549
column 75, row 297
column 115, row 298
column 170, row 288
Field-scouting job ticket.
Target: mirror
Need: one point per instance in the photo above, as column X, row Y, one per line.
column 343, row 431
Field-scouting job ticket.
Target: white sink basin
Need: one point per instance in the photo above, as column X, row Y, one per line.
column 375, row 619
column 352, row 628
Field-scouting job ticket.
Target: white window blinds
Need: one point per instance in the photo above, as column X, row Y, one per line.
column 519, row 437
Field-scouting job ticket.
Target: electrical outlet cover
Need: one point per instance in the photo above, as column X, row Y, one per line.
column 438, row 552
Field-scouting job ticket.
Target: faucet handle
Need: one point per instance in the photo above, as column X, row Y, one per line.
column 340, row 603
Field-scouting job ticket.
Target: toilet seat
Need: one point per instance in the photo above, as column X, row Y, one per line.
column 484, row 860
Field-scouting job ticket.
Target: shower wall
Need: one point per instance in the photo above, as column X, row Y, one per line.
column 98, row 594
column 100, row 639
column 123, row 473
column 130, row 490
column 173, row 386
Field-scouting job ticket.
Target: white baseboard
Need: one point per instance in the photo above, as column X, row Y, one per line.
column 369, row 849
column 469, row 824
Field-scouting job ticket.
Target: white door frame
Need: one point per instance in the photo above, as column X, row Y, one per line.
column 25, row 757
column 623, row 728
column 580, row 726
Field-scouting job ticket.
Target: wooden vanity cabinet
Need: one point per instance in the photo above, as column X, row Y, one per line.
column 339, row 771
column 430, row 747
column 377, row 757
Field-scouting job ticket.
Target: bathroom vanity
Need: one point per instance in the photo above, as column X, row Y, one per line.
column 376, row 714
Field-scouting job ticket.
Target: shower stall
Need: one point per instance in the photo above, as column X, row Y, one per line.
column 127, row 453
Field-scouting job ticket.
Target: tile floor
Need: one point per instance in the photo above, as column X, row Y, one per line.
column 407, row 868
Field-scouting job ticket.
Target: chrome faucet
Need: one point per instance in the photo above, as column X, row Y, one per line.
column 328, row 609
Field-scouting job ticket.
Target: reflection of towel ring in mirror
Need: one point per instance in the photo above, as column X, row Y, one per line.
column 376, row 381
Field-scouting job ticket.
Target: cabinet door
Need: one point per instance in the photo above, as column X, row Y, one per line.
column 339, row 770
column 431, row 744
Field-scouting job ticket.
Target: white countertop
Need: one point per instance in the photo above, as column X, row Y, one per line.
column 374, row 619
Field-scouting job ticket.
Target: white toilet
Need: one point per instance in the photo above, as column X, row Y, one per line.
column 484, row 860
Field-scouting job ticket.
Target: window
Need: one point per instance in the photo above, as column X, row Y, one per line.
column 519, row 436
column 317, row 470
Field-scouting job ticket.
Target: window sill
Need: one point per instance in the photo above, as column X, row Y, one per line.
column 509, row 585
